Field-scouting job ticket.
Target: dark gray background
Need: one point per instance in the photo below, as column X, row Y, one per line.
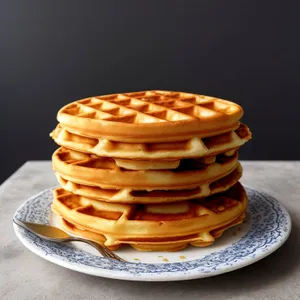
column 54, row 52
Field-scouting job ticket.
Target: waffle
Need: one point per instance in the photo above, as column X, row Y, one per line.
column 167, row 227
column 103, row 172
column 192, row 148
column 150, row 116
column 169, row 245
column 130, row 196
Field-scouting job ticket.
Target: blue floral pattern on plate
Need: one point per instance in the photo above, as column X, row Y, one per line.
column 270, row 228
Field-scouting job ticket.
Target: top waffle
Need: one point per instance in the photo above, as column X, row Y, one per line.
column 150, row 116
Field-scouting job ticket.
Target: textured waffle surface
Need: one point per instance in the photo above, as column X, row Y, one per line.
column 150, row 116
column 159, row 225
column 203, row 239
column 191, row 148
column 103, row 172
column 128, row 195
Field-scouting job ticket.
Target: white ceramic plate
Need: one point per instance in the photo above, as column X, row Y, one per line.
column 267, row 227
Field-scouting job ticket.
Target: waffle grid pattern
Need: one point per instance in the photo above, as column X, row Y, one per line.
column 149, row 107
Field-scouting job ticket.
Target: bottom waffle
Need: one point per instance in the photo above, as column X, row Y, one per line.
column 166, row 245
column 153, row 227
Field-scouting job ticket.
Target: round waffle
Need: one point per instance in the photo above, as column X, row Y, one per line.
column 103, row 172
column 171, row 244
column 150, row 116
column 128, row 195
column 167, row 227
column 192, row 148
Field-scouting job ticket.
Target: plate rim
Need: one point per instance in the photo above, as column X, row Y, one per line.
column 164, row 276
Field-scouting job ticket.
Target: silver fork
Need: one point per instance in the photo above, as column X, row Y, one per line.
column 55, row 234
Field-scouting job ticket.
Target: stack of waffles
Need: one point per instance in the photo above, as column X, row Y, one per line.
column 156, row 170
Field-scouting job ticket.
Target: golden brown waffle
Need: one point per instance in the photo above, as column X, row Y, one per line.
column 150, row 116
column 103, row 172
column 130, row 196
column 192, row 148
column 167, row 227
column 168, row 245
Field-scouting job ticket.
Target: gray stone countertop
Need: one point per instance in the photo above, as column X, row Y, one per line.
column 24, row 275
